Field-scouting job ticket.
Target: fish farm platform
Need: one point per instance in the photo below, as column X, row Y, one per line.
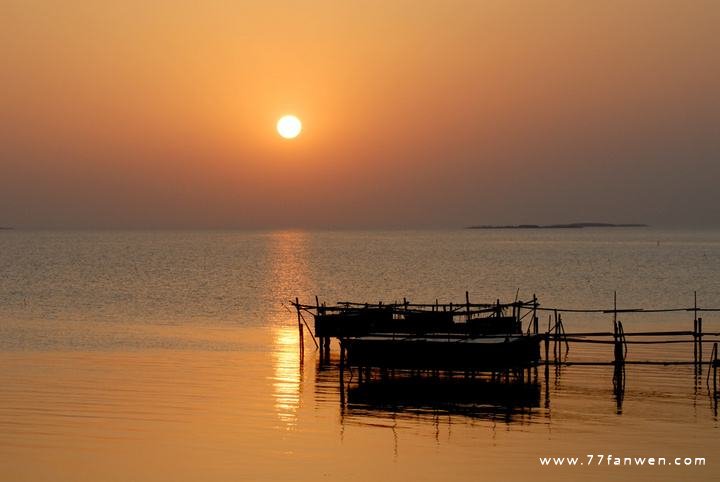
column 442, row 352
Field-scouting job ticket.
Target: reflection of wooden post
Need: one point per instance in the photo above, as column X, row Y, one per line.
column 342, row 373
column 715, row 365
column 696, row 330
column 695, row 343
column 342, row 360
column 547, row 385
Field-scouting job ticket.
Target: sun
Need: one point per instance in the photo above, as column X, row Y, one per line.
column 289, row 126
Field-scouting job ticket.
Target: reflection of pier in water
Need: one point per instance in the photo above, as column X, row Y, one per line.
column 486, row 399
column 503, row 398
column 395, row 403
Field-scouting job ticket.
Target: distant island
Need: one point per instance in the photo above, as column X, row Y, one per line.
column 558, row 226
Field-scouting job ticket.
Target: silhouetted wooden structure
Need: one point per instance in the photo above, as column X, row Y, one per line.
column 495, row 341
column 406, row 335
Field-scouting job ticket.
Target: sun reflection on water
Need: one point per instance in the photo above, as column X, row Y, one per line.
column 287, row 375
column 289, row 271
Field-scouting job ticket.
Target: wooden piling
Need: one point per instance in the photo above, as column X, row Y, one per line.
column 547, row 342
column 696, row 331
column 620, row 344
column 300, row 328
column 556, row 338
column 467, row 304
column 700, row 337
column 695, row 340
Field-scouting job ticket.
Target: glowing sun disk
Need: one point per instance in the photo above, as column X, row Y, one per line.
column 289, row 126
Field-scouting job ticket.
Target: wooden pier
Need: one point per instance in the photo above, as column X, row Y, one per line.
column 488, row 341
column 426, row 336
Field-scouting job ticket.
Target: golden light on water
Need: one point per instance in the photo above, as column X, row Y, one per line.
column 286, row 375
column 289, row 272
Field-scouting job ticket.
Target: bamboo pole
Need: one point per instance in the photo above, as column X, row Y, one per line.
column 700, row 337
column 467, row 304
column 547, row 343
column 300, row 328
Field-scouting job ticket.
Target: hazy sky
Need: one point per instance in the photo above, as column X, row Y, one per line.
column 447, row 113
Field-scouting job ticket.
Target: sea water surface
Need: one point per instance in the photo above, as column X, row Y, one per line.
column 172, row 355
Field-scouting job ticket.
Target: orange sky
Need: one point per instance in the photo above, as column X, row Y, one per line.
column 120, row 114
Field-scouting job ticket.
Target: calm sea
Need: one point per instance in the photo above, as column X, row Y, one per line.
column 171, row 355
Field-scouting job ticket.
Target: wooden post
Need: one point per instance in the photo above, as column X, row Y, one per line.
column 557, row 341
column 700, row 337
column 563, row 334
column 695, row 343
column 300, row 328
column 614, row 307
column 317, row 313
column 619, row 337
column 547, row 342
column 615, row 337
column 696, row 347
column 467, row 304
